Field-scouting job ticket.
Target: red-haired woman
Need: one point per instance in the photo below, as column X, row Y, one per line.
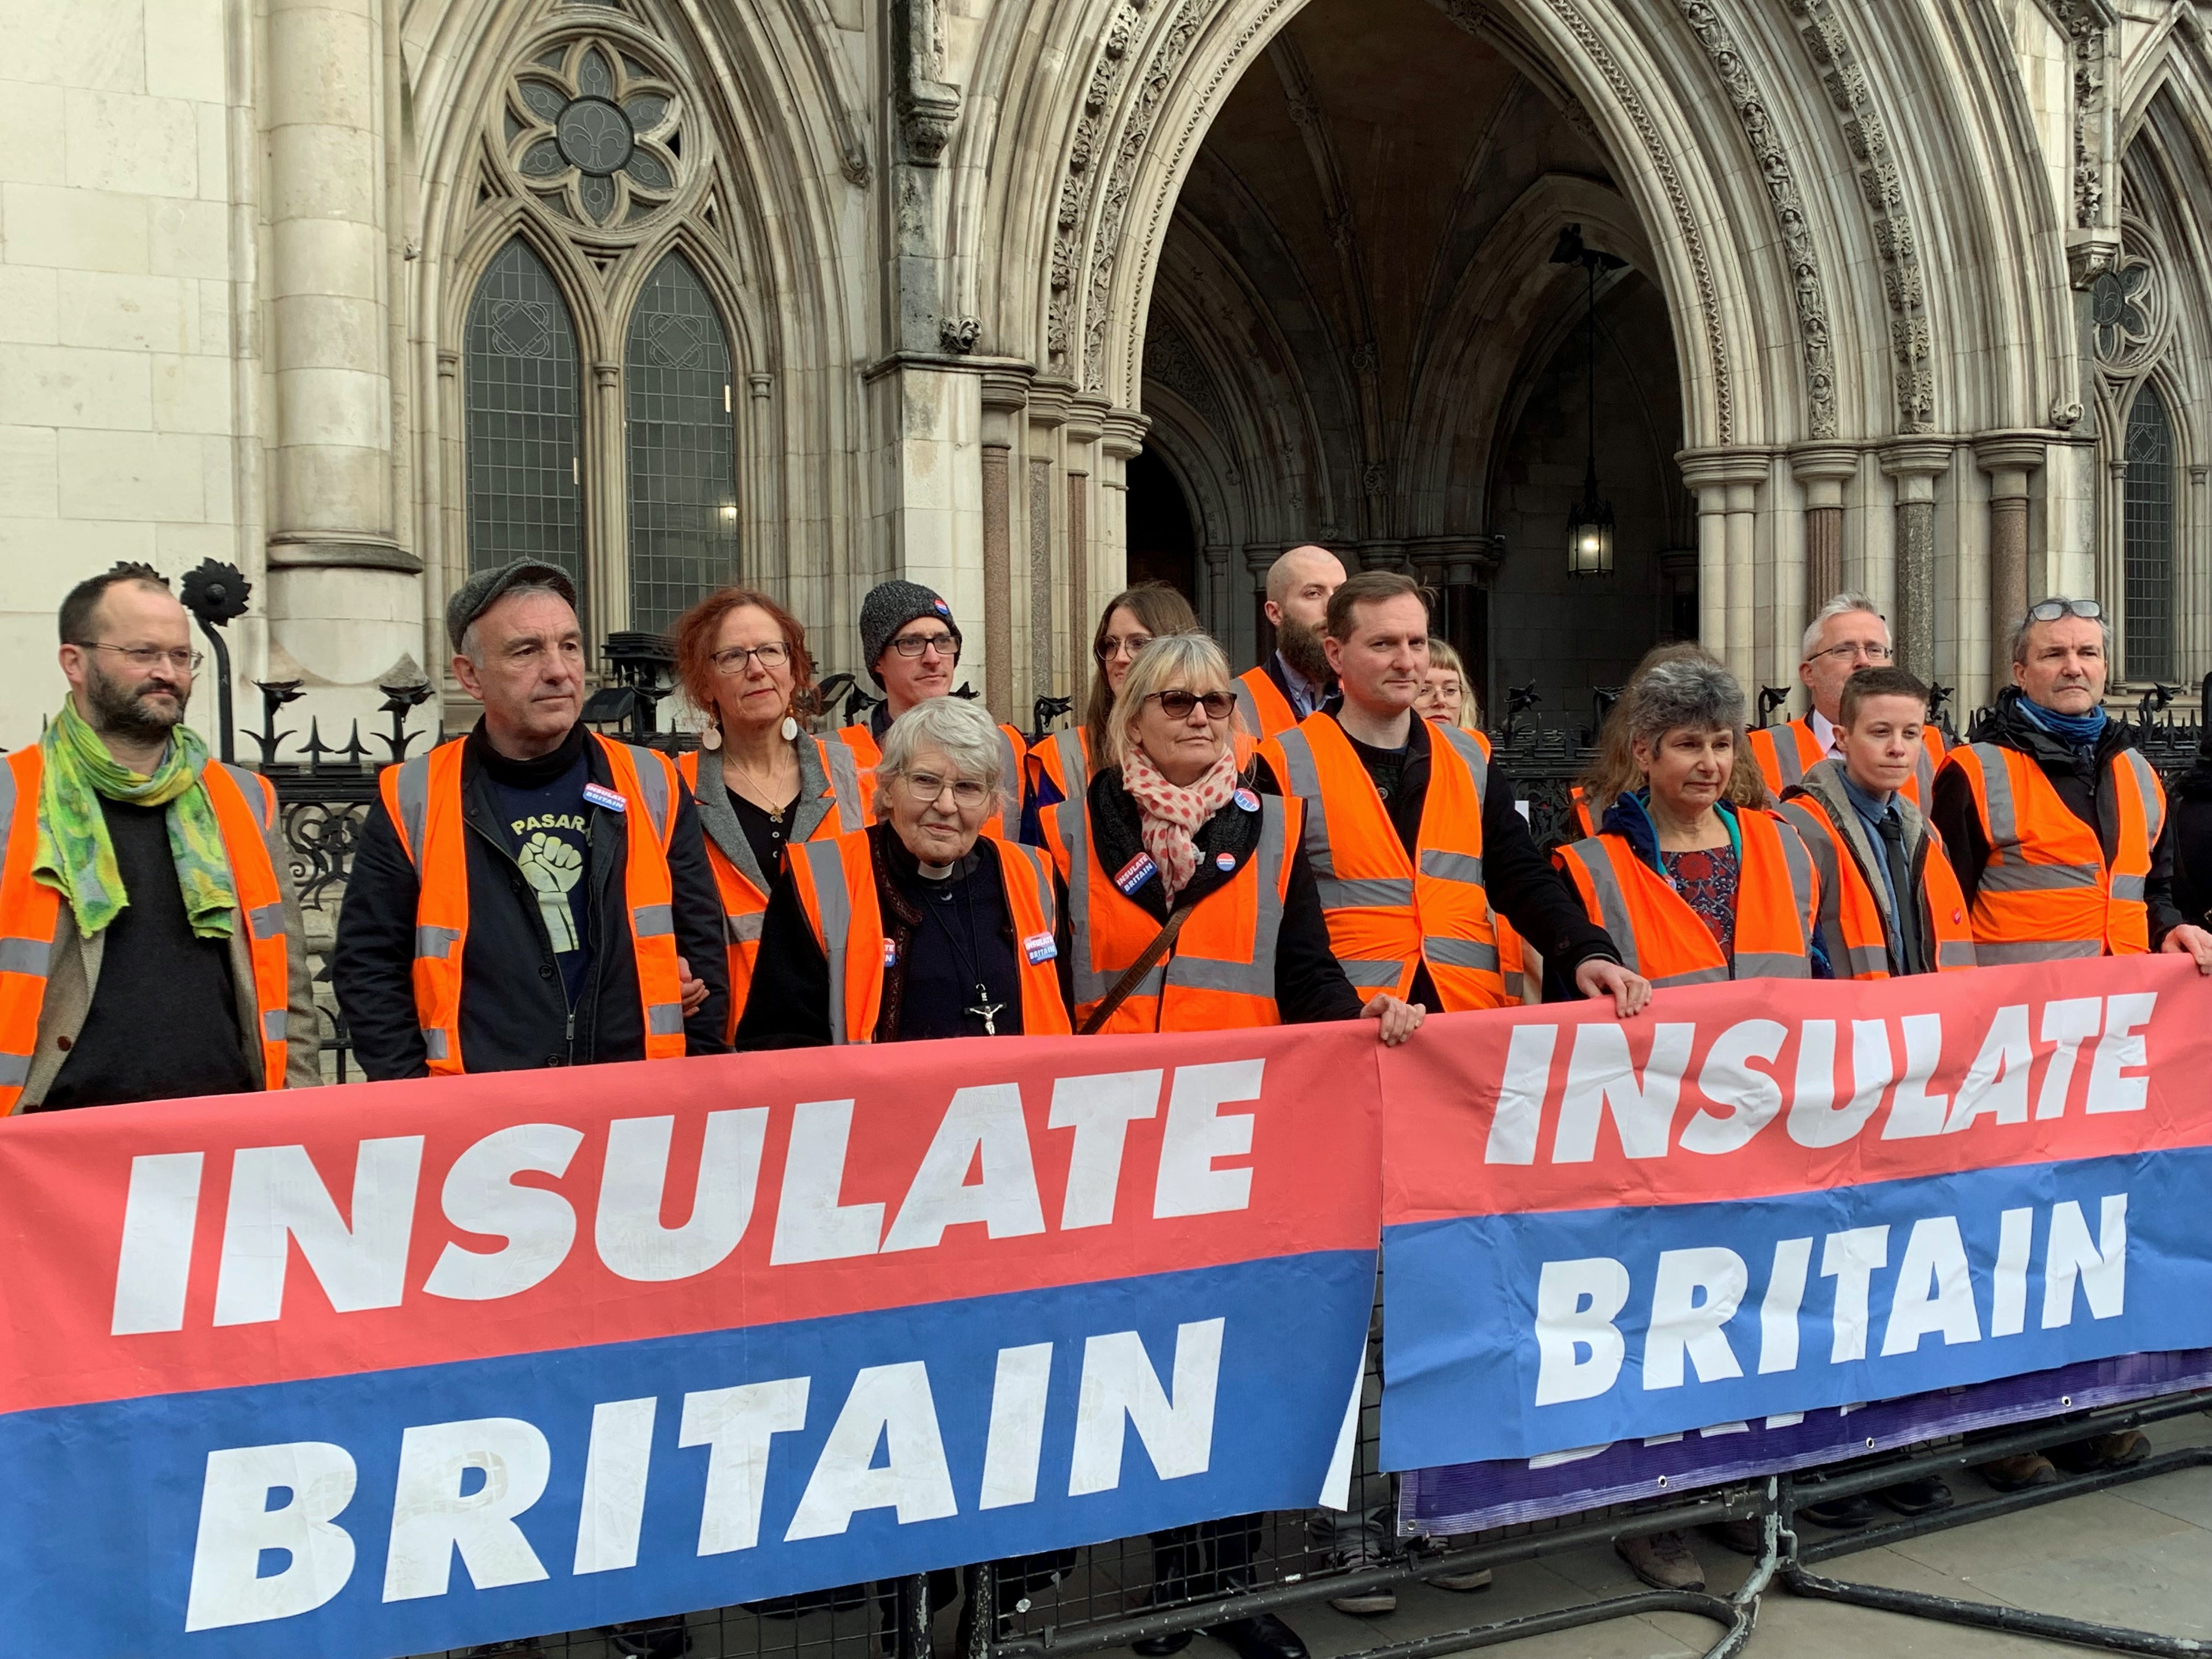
column 761, row 783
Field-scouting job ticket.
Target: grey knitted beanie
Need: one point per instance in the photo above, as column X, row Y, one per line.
column 891, row 606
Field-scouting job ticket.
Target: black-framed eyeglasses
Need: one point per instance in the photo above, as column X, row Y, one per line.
column 1115, row 644
column 1176, row 705
column 967, row 793
column 913, row 644
column 150, row 656
column 2053, row 610
column 737, row 658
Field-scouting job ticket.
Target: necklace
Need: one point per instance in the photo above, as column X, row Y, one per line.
column 970, row 960
column 761, row 795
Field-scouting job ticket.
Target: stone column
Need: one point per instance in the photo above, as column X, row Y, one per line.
column 1726, row 484
column 606, row 536
column 2193, row 576
column 1251, row 627
column 1122, row 440
column 1048, row 408
column 1916, row 465
column 932, row 410
column 1079, row 460
column 1005, row 395
column 2008, row 457
column 1823, row 470
column 342, row 600
column 1215, row 601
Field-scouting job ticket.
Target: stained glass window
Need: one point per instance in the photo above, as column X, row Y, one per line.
column 2149, row 551
column 683, row 448
column 524, row 419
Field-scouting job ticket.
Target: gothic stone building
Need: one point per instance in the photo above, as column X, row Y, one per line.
column 1021, row 297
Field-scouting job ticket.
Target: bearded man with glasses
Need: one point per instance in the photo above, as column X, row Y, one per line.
column 1846, row 634
column 149, row 939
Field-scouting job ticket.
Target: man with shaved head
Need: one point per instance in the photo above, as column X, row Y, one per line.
column 1296, row 681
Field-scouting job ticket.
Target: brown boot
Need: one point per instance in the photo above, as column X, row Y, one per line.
column 1663, row 1560
column 2017, row 1472
column 2102, row 1451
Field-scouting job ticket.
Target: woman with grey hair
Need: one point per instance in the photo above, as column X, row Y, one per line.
column 1693, row 885
column 921, row 926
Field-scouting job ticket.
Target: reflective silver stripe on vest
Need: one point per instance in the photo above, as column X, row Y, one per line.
column 743, row 930
column 2127, row 887
column 436, row 942
column 2037, row 950
column 1996, row 792
column 413, row 792
column 1822, row 845
column 1958, row 953
column 2037, row 877
column 664, row 1019
column 1696, row 977
column 434, row 1042
column 1072, row 766
column 827, row 870
column 1790, row 759
column 1923, row 773
column 1303, row 780
column 1368, row 893
column 652, row 783
column 1612, row 903
column 1798, row 860
column 1770, row 965
column 845, row 783
column 1089, row 983
column 1038, row 866
column 1374, row 975
column 652, row 920
column 1477, row 759
column 1451, row 866
column 273, row 1024
column 2153, row 793
column 258, row 801
column 1460, row 953
column 1255, row 978
column 6, row 807
column 267, row 921
column 1247, row 706
column 1860, row 959
column 14, row 1071
column 25, row 956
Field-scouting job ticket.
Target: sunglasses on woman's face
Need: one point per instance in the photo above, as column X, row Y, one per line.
column 1177, row 705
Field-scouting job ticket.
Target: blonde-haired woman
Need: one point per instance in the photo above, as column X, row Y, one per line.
column 1173, row 862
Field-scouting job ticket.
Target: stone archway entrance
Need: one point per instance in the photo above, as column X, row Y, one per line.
column 1356, row 337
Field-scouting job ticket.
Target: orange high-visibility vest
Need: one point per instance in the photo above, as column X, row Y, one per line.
column 423, row 797
column 1387, row 915
column 1777, row 907
column 744, row 904
column 1064, row 758
column 868, row 752
column 2046, row 893
column 1261, row 708
column 1851, row 916
column 1520, row 986
column 1786, row 753
column 1221, row 974
column 835, row 882
column 1578, row 808
column 30, row 911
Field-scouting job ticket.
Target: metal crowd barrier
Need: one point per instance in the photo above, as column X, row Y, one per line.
column 1103, row 1596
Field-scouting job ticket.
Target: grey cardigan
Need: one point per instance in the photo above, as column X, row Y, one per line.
column 73, row 974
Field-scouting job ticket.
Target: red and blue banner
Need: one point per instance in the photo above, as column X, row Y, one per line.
column 1772, row 1198
column 398, row 1367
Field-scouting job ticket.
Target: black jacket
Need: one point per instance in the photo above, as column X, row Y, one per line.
column 2189, row 804
column 1952, row 813
column 1309, row 982
column 514, row 1012
column 788, row 1006
column 1519, row 881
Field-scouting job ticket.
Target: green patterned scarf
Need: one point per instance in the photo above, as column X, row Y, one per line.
column 77, row 858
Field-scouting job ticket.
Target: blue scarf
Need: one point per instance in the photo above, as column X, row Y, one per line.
column 2077, row 730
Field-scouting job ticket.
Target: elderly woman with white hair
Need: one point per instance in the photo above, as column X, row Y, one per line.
column 919, row 925
column 1191, row 904
column 1693, row 876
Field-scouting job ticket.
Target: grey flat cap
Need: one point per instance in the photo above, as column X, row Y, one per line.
column 481, row 591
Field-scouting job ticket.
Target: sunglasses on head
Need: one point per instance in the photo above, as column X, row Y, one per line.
column 2053, row 610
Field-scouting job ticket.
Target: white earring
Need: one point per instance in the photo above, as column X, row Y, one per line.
column 711, row 738
column 789, row 729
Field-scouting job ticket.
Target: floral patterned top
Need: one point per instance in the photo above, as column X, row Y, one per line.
column 1706, row 880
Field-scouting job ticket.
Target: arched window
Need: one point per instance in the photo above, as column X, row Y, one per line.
column 523, row 420
column 2150, row 510
column 683, row 448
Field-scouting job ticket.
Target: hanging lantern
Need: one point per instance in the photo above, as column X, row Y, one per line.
column 1589, row 526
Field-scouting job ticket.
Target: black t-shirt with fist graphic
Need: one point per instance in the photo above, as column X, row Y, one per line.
column 547, row 823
